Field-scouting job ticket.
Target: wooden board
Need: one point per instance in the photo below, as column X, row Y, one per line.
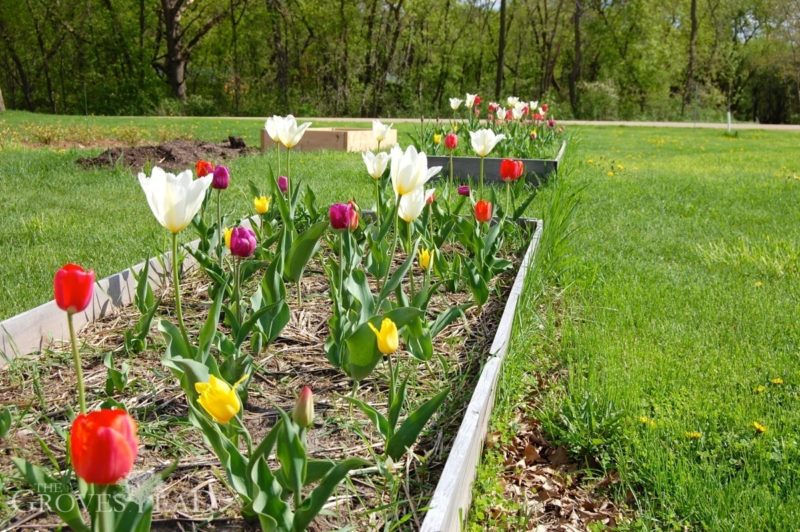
column 453, row 494
column 35, row 329
column 337, row 139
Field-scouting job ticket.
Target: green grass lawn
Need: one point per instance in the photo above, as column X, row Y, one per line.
column 680, row 305
column 681, row 323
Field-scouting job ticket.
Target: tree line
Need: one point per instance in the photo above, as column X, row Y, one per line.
column 683, row 59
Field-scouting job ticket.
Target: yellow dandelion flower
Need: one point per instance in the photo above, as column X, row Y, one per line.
column 758, row 284
column 650, row 423
column 776, row 380
column 760, row 389
column 610, row 174
column 589, row 161
column 761, row 429
column 620, row 167
column 694, row 435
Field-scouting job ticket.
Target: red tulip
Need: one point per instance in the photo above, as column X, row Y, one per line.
column 493, row 107
column 511, row 169
column 340, row 215
column 451, row 141
column 545, row 107
column 203, row 168
column 103, row 446
column 483, row 211
column 477, row 101
column 73, row 288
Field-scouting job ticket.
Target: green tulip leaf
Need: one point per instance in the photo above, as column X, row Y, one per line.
column 301, row 251
column 312, row 505
column 56, row 492
column 408, row 432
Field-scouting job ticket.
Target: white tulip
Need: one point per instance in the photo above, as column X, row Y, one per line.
column 455, row 103
column 289, row 133
column 380, row 131
column 512, row 101
column 471, row 100
column 518, row 112
column 533, row 104
column 376, row 163
column 273, row 127
column 484, row 140
column 409, row 170
column 173, row 199
column 412, row 204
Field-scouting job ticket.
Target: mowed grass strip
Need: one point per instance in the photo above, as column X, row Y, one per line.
column 681, row 344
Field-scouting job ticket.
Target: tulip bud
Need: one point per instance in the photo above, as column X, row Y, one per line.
column 551, row 123
column 477, row 101
column 511, row 169
column 203, row 168
column 103, row 446
column 437, row 138
column 228, row 235
column 353, row 225
column 242, row 242
column 545, row 107
column 261, row 204
column 222, row 178
column 342, row 216
column 451, row 141
column 388, row 338
column 463, row 190
column 425, row 257
column 283, row 184
column 219, row 399
column 483, row 211
column 304, row 408
column 73, row 287
column 534, row 134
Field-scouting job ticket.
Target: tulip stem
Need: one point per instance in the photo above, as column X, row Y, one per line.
column 341, row 264
column 396, row 218
column 177, row 287
column 237, row 270
column 219, row 233
column 481, row 187
column 450, row 182
column 378, row 201
column 299, row 293
column 76, row 359
column 410, row 251
column 508, row 198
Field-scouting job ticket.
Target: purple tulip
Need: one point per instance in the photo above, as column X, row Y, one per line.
column 283, row 184
column 341, row 215
column 463, row 190
column 222, row 178
column 243, row 242
column 551, row 123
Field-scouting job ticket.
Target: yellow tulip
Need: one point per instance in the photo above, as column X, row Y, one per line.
column 261, row 204
column 228, row 233
column 437, row 139
column 425, row 257
column 219, row 398
column 388, row 340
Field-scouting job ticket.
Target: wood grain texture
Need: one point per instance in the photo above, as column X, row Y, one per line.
column 337, row 139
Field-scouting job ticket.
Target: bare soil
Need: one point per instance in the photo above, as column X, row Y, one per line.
column 196, row 496
column 174, row 155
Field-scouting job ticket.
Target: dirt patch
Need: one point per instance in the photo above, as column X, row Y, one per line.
column 175, row 155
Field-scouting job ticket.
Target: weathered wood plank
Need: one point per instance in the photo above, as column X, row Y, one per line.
column 453, row 494
column 338, row 139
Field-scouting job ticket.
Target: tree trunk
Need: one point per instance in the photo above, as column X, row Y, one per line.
column 575, row 74
column 501, row 52
column 2, row 103
column 688, row 91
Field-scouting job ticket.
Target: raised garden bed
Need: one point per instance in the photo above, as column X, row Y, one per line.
column 466, row 169
column 296, row 355
column 337, row 139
